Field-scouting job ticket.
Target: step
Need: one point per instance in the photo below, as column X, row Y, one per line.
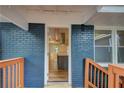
column 57, row 85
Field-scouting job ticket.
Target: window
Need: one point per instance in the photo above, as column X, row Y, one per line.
column 103, row 46
column 120, row 46
column 109, row 46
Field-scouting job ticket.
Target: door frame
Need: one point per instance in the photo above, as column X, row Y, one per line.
column 46, row 57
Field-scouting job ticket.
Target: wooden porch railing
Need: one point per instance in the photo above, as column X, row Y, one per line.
column 98, row 77
column 116, row 76
column 95, row 75
column 12, row 73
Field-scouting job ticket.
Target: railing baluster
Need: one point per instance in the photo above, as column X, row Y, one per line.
column 17, row 75
column 105, row 81
column 103, row 86
column 9, row 71
column 116, row 81
column 4, row 77
column 13, row 73
column 91, row 73
column 21, row 74
column 101, row 79
column 94, row 75
column 123, row 82
column 98, row 78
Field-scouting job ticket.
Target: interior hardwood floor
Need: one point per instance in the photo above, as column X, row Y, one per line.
column 60, row 75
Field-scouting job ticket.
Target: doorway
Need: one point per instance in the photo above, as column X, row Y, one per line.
column 58, row 46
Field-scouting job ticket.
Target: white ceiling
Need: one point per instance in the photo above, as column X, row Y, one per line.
column 59, row 8
column 108, row 19
column 3, row 19
column 55, row 15
column 64, row 15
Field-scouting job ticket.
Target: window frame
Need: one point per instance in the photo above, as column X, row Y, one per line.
column 114, row 30
column 119, row 46
column 105, row 64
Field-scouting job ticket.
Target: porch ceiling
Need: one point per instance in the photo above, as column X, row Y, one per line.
column 60, row 8
column 9, row 13
column 107, row 19
column 72, row 14
column 3, row 19
column 61, row 14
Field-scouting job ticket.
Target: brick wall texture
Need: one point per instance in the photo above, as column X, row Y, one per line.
column 81, row 47
column 28, row 44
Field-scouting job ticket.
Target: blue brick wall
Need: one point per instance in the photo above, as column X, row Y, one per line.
column 0, row 59
column 0, row 44
column 82, row 47
column 28, row 44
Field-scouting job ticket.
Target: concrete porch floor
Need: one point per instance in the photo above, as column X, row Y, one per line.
column 58, row 85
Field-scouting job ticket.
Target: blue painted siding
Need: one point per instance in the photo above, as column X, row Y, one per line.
column 82, row 47
column 28, row 44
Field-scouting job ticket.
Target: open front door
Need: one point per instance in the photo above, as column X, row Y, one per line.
column 58, row 55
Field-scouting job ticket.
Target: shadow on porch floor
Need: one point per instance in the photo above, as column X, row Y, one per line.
column 58, row 85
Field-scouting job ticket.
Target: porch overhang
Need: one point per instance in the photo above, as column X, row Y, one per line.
column 9, row 13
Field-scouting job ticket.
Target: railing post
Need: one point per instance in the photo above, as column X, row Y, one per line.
column 86, row 73
column 111, row 79
column 116, row 81
column 21, row 74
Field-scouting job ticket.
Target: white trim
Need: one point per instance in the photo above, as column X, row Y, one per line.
column 114, row 50
column 104, row 64
column 103, row 46
column 117, row 45
column 120, row 46
column 103, row 27
column 121, row 64
column 111, row 9
column 69, row 57
column 109, row 28
column 46, row 58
